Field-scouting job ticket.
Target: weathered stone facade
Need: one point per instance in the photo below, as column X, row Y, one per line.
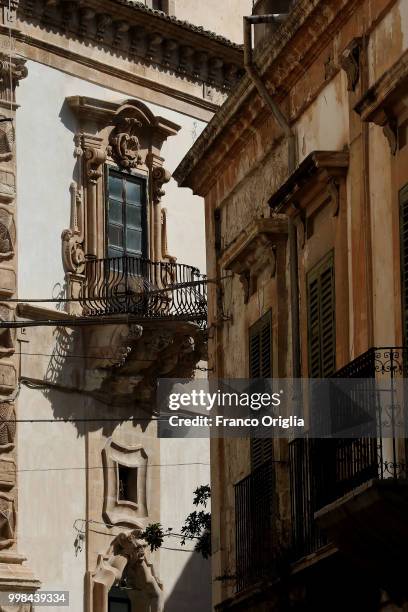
column 109, row 84
column 337, row 71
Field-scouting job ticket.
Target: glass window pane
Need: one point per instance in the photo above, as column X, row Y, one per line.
column 133, row 192
column 115, row 187
column 133, row 240
column 115, row 235
column 134, row 216
column 115, row 252
column 115, row 212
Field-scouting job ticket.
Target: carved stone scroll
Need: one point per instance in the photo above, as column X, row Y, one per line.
column 73, row 255
column 124, row 143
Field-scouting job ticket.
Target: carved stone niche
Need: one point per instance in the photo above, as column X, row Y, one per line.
column 254, row 252
column 386, row 100
column 125, row 473
column 318, row 181
column 126, row 558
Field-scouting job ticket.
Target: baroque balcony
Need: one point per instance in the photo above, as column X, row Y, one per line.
column 149, row 322
column 353, row 492
column 143, row 288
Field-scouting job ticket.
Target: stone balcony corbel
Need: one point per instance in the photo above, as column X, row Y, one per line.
column 254, row 252
column 318, row 181
column 385, row 100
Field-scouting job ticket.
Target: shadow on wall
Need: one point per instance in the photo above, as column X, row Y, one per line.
column 193, row 588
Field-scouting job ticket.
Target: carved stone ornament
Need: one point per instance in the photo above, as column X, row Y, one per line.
column 389, row 124
column 12, row 71
column 6, row 139
column 72, row 238
column 126, row 557
column 7, row 336
column 7, row 234
column 124, row 145
column 95, row 159
column 160, row 176
column 7, row 426
column 350, row 62
column 7, row 520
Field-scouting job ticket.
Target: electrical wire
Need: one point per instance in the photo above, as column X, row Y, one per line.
column 101, row 467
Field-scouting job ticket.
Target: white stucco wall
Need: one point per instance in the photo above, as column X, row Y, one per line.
column 51, row 489
column 224, row 17
column 52, row 493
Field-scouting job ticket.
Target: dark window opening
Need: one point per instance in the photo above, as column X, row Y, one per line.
column 126, row 215
column 118, row 601
column 127, row 489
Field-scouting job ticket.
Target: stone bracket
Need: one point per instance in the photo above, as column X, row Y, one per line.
column 254, row 252
column 350, row 62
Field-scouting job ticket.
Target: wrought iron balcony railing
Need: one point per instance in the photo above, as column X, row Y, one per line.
column 147, row 289
column 254, row 519
column 324, row 470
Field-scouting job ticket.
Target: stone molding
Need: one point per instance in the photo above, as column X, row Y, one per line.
column 142, row 34
column 115, row 510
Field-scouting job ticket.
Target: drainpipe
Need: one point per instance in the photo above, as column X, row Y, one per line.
column 283, row 122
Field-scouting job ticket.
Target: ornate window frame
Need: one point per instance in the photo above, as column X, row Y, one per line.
column 115, row 510
column 130, row 137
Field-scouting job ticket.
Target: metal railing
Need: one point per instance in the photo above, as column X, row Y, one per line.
column 324, row 470
column 147, row 289
column 254, row 526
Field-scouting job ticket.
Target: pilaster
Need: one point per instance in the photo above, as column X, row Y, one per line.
column 14, row 575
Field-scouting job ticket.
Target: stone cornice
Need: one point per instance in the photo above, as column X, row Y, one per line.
column 284, row 57
column 143, row 35
column 324, row 167
column 103, row 113
column 384, row 91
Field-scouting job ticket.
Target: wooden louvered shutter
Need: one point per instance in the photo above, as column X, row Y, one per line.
column 404, row 260
column 321, row 319
column 260, row 366
column 260, row 348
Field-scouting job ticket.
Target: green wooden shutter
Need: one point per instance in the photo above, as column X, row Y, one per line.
column 321, row 319
column 260, row 348
column 404, row 259
column 260, row 366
